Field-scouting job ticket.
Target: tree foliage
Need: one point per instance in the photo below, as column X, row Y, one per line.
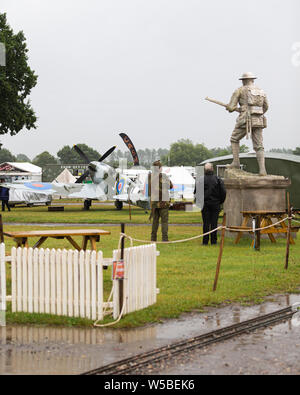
column 297, row 151
column 68, row 155
column 45, row 158
column 6, row 156
column 16, row 81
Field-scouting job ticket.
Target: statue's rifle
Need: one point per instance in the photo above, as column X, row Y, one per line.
column 237, row 109
column 220, row 103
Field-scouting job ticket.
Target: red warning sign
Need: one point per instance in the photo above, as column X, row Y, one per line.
column 118, row 270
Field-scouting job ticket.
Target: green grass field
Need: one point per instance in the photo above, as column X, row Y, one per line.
column 96, row 214
column 185, row 272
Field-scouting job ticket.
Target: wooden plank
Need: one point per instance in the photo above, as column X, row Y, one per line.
column 73, row 242
column 40, row 242
column 58, row 232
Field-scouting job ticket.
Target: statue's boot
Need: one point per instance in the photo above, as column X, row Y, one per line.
column 260, row 156
column 236, row 159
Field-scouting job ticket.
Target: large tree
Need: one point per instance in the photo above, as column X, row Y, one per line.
column 45, row 158
column 185, row 153
column 6, row 156
column 296, row 151
column 16, row 81
column 68, row 155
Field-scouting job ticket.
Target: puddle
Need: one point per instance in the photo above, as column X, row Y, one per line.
column 43, row 350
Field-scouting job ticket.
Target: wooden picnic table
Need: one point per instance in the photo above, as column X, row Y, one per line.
column 92, row 235
column 263, row 219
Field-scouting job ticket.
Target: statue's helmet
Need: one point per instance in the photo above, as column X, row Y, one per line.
column 248, row 76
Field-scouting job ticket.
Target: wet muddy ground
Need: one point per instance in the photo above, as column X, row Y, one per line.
column 43, row 350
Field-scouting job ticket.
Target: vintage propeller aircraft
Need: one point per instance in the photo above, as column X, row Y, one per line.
column 106, row 185
column 121, row 185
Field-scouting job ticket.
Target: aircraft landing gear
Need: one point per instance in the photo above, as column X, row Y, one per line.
column 87, row 204
column 119, row 205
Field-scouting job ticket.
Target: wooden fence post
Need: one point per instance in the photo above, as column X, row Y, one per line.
column 257, row 232
column 121, row 281
column 288, row 236
column 220, row 252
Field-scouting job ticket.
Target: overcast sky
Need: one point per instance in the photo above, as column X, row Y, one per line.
column 144, row 67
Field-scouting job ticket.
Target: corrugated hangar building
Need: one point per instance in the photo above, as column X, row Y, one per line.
column 276, row 164
column 18, row 172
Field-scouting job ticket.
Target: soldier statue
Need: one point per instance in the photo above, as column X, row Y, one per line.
column 253, row 104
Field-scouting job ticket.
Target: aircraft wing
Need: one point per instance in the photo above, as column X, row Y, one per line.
column 84, row 191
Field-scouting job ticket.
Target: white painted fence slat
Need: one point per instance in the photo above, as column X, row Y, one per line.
column 87, row 284
column 35, row 295
column 81, row 282
column 25, row 282
column 64, row 283
column 41, row 293
column 47, row 281
column 52, row 282
column 13, row 279
column 140, row 279
column 70, row 283
column 58, row 283
column 2, row 278
column 99, row 276
column 19, row 279
column 76, row 283
column 30, row 280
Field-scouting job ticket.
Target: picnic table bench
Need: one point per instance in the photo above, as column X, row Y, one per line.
column 264, row 219
column 92, row 235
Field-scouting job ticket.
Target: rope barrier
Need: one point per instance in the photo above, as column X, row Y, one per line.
column 201, row 235
column 132, row 239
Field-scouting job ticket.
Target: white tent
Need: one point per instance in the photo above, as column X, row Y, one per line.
column 24, row 171
column 65, row 177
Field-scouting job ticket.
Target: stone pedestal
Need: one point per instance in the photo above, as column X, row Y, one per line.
column 251, row 192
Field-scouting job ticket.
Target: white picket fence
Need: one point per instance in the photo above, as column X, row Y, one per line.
column 58, row 282
column 139, row 279
column 70, row 283
column 2, row 278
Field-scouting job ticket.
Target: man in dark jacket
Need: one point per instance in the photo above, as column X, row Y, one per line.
column 4, row 196
column 214, row 196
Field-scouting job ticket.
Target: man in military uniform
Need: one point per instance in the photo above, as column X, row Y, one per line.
column 159, row 186
column 253, row 104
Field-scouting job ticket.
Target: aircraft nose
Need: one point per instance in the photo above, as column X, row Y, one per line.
column 92, row 167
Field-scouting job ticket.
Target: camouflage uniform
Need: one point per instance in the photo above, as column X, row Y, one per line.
column 253, row 104
column 160, row 202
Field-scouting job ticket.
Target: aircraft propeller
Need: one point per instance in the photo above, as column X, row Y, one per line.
column 87, row 161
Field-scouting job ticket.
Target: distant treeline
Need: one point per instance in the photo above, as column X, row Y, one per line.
column 181, row 153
